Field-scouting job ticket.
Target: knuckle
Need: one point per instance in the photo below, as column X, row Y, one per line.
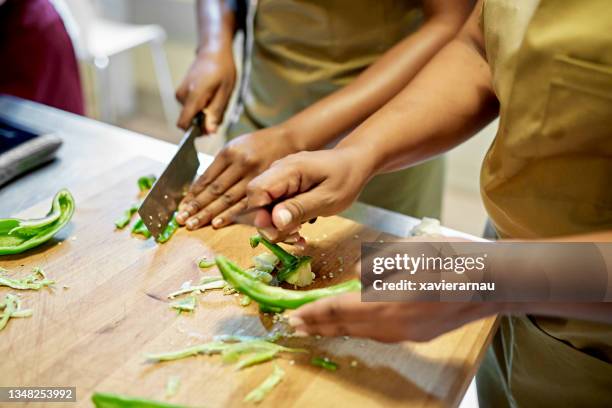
column 204, row 216
column 296, row 208
column 228, row 198
column 333, row 310
column 194, row 205
column 215, row 188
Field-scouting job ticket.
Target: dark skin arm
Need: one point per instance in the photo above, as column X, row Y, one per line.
column 219, row 194
column 210, row 80
column 439, row 109
column 323, row 183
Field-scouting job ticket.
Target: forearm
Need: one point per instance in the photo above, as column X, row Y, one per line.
column 450, row 100
column 216, row 24
column 329, row 118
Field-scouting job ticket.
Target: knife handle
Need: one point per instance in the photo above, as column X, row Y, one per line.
column 198, row 120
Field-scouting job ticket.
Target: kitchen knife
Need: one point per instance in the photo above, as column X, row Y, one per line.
column 168, row 191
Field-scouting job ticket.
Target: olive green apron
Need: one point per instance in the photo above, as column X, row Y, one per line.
column 303, row 51
column 548, row 173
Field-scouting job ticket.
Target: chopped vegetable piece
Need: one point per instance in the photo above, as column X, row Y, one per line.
column 146, row 182
column 205, row 263
column 245, row 301
column 263, row 276
column 276, row 298
column 35, row 281
column 295, row 269
column 140, row 228
column 102, row 400
column 11, row 307
column 256, row 358
column 172, row 386
column 170, row 229
column 17, row 236
column 212, row 284
column 265, row 262
column 209, row 279
column 259, row 393
column 325, row 363
column 127, row 216
column 206, row 348
column 185, row 305
column 230, row 351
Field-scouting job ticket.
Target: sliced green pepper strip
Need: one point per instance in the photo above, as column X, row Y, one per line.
column 103, row 400
column 185, row 305
column 276, row 297
column 35, row 281
column 127, row 216
column 256, row 358
column 172, row 386
column 205, row 263
column 230, row 351
column 259, row 393
column 206, row 348
column 324, row 363
column 11, row 307
column 140, row 228
column 146, row 182
column 17, row 236
column 170, row 229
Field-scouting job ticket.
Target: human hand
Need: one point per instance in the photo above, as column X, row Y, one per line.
column 307, row 184
column 207, row 87
column 388, row 322
column 219, row 195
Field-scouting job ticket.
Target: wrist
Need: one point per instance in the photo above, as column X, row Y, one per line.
column 363, row 165
column 294, row 141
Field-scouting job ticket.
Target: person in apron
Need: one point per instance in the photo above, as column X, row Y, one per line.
column 38, row 60
column 546, row 67
column 303, row 89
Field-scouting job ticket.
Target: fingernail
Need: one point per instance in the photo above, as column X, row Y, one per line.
column 192, row 223
column 217, row 222
column 284, row 217
column 300, row 333
column 182, row 216
column 292, row 240
column 269, row 233
column 295, row 321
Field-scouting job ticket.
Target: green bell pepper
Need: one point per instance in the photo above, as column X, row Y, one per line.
column 102, row 400
column 17, row 236
column 169, row 230
column 140, row 228
column 127, row 216
column 325, row 363
column 276, row 298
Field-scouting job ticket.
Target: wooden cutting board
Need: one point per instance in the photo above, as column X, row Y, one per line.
column 109, row 307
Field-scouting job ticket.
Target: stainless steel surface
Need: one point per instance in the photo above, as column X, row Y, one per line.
column 163, row 199
column 91, row 148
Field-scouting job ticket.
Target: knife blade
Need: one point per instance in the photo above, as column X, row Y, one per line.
column 164, row 197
